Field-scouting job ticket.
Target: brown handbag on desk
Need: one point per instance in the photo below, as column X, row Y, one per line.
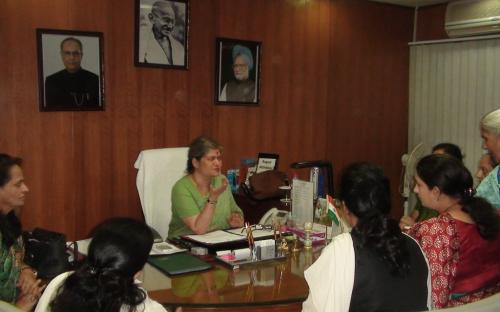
column 265, row 185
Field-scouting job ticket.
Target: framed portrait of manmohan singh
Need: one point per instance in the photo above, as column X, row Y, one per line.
column 70, row 70
column 237, row 80
column 161, row 33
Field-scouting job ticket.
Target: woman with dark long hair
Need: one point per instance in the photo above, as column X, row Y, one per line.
column 376, row 267
column 420, row 212
column 106, row 281
column 462, row 244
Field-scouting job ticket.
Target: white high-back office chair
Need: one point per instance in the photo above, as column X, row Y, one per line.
column 159, row 169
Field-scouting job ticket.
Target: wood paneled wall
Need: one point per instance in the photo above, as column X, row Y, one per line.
column 334, row 85
column 430, row 24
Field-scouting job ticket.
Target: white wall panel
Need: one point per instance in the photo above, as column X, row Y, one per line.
column 452, row 85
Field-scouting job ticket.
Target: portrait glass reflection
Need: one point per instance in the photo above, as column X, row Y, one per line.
column 70, row 70
column 238, row 71
column 161, row 33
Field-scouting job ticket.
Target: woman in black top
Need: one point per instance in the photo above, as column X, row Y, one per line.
column 375, row 267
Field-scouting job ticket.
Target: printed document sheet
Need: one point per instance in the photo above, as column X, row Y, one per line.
column 224, row 236
column 162, row 248
column 302, row 201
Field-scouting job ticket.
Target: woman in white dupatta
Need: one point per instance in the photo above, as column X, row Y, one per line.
column 375, row 267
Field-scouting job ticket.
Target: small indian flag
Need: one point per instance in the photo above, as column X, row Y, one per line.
column 332, row 211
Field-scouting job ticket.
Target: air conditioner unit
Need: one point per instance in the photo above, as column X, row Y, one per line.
column 472, row 17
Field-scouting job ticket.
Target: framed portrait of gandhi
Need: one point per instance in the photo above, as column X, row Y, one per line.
column 237, row 80
column 161, row 33
column 70, row 70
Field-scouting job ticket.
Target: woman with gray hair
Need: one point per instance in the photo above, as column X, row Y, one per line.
column 490, row 132
column 242, row 89
column 201, row 200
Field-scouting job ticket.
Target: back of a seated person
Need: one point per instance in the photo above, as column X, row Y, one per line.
column 377, row 289
column 106, row 281
column 375, row 267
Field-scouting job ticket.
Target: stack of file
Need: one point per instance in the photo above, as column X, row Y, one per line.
column 178, row 263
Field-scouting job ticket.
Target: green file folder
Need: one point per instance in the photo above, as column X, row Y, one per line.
column 178, row 263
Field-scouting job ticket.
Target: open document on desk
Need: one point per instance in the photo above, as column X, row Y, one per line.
column 225, row 236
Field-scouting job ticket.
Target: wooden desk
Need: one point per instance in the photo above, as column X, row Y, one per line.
column 269, row 286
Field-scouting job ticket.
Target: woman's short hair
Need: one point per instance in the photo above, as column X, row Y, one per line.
column 7, row 162
column 199, row 148
column 449, row 149
column 491, row 122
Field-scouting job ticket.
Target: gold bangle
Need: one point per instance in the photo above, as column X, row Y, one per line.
column 211, row 202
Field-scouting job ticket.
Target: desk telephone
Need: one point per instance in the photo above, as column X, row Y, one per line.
column 274, row 214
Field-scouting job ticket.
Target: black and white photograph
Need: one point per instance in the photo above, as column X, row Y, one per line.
column 70, row 70
column 237, row 72
column 161, row 33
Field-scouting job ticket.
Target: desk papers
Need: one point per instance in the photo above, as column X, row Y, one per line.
column 162, row 248
column 302, row 201
column 225, row 236
column 82, row 245
column 256, row 233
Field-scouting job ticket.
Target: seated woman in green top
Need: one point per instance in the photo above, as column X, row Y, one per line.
column 201, row 200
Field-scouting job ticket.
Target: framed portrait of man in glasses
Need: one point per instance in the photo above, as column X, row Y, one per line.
column 70, row 70
column 161, row 33
column 237, row 72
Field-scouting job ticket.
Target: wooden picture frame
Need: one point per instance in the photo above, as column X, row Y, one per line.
column 237, row 78
column 70, row 70
column 161, row 33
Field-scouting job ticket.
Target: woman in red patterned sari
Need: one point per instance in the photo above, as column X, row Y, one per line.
column 462, row 244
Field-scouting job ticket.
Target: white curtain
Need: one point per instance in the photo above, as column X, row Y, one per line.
column 452, row 85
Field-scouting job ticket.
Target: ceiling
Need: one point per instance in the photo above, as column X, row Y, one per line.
column 412, row 3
